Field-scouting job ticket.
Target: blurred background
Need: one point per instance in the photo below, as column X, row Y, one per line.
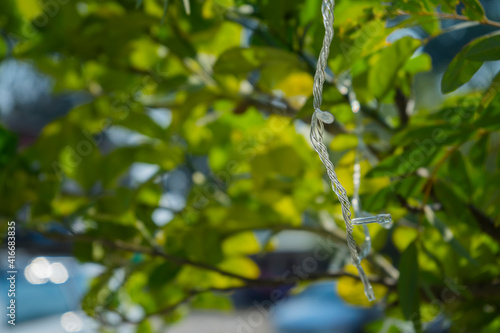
column 137, row 131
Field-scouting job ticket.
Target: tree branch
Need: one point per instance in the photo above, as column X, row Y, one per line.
column 250, row 282
column 446, row 16
column 375, row 259
column 260, row 29
column 433, row 177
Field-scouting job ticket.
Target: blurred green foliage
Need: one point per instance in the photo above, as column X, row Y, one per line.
column 237, row 79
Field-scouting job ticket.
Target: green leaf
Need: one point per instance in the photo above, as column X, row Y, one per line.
column 454, row 202
column 473, row 9
column 408, row 288
column 403, row 237
column 162, row 274
column 409, row 186
column 8, row 145
column 243, row 60
column 203, row 245
column 283, row 161
column 83, row 251
column 485, row 48
column 489, row 118
column 428, row 136
column 344, row 142
column 406, row 163
column 417, row 64
column 3, row 49
column 431, row 25
column 242, row 243
column 99, row 293
column 479, row 151
column 275, row 13
column 489, row 94
column 459, row 174
column 211, row 301
column 379, row 200
column 142, row 123
column 386, row 64
column 117, row 203
column 459, row 71
column 144, row 327
column 241, row 265
column 135, row 284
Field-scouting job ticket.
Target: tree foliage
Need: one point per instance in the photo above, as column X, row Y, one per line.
column 236, row 79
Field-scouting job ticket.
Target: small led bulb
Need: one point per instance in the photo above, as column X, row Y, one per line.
column 384, row 220
column 324, row 116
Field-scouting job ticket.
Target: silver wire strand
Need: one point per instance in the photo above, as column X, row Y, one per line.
column 316, row 136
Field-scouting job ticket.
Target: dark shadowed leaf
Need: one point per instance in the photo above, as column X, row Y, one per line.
column 162, row 274
column 486, row 48
column 458, row 173
column 406, row 163
column 479, row 151
column 408, row 288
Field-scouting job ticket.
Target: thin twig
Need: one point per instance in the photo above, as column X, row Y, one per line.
column 446, row 16
column 432, row 178
column 250, row 282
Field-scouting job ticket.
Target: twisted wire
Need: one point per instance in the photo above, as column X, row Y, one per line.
column 319, row 78
column 316, row 136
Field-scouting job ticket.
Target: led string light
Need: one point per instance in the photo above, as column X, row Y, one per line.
column 385, row 220
column 317, row 127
